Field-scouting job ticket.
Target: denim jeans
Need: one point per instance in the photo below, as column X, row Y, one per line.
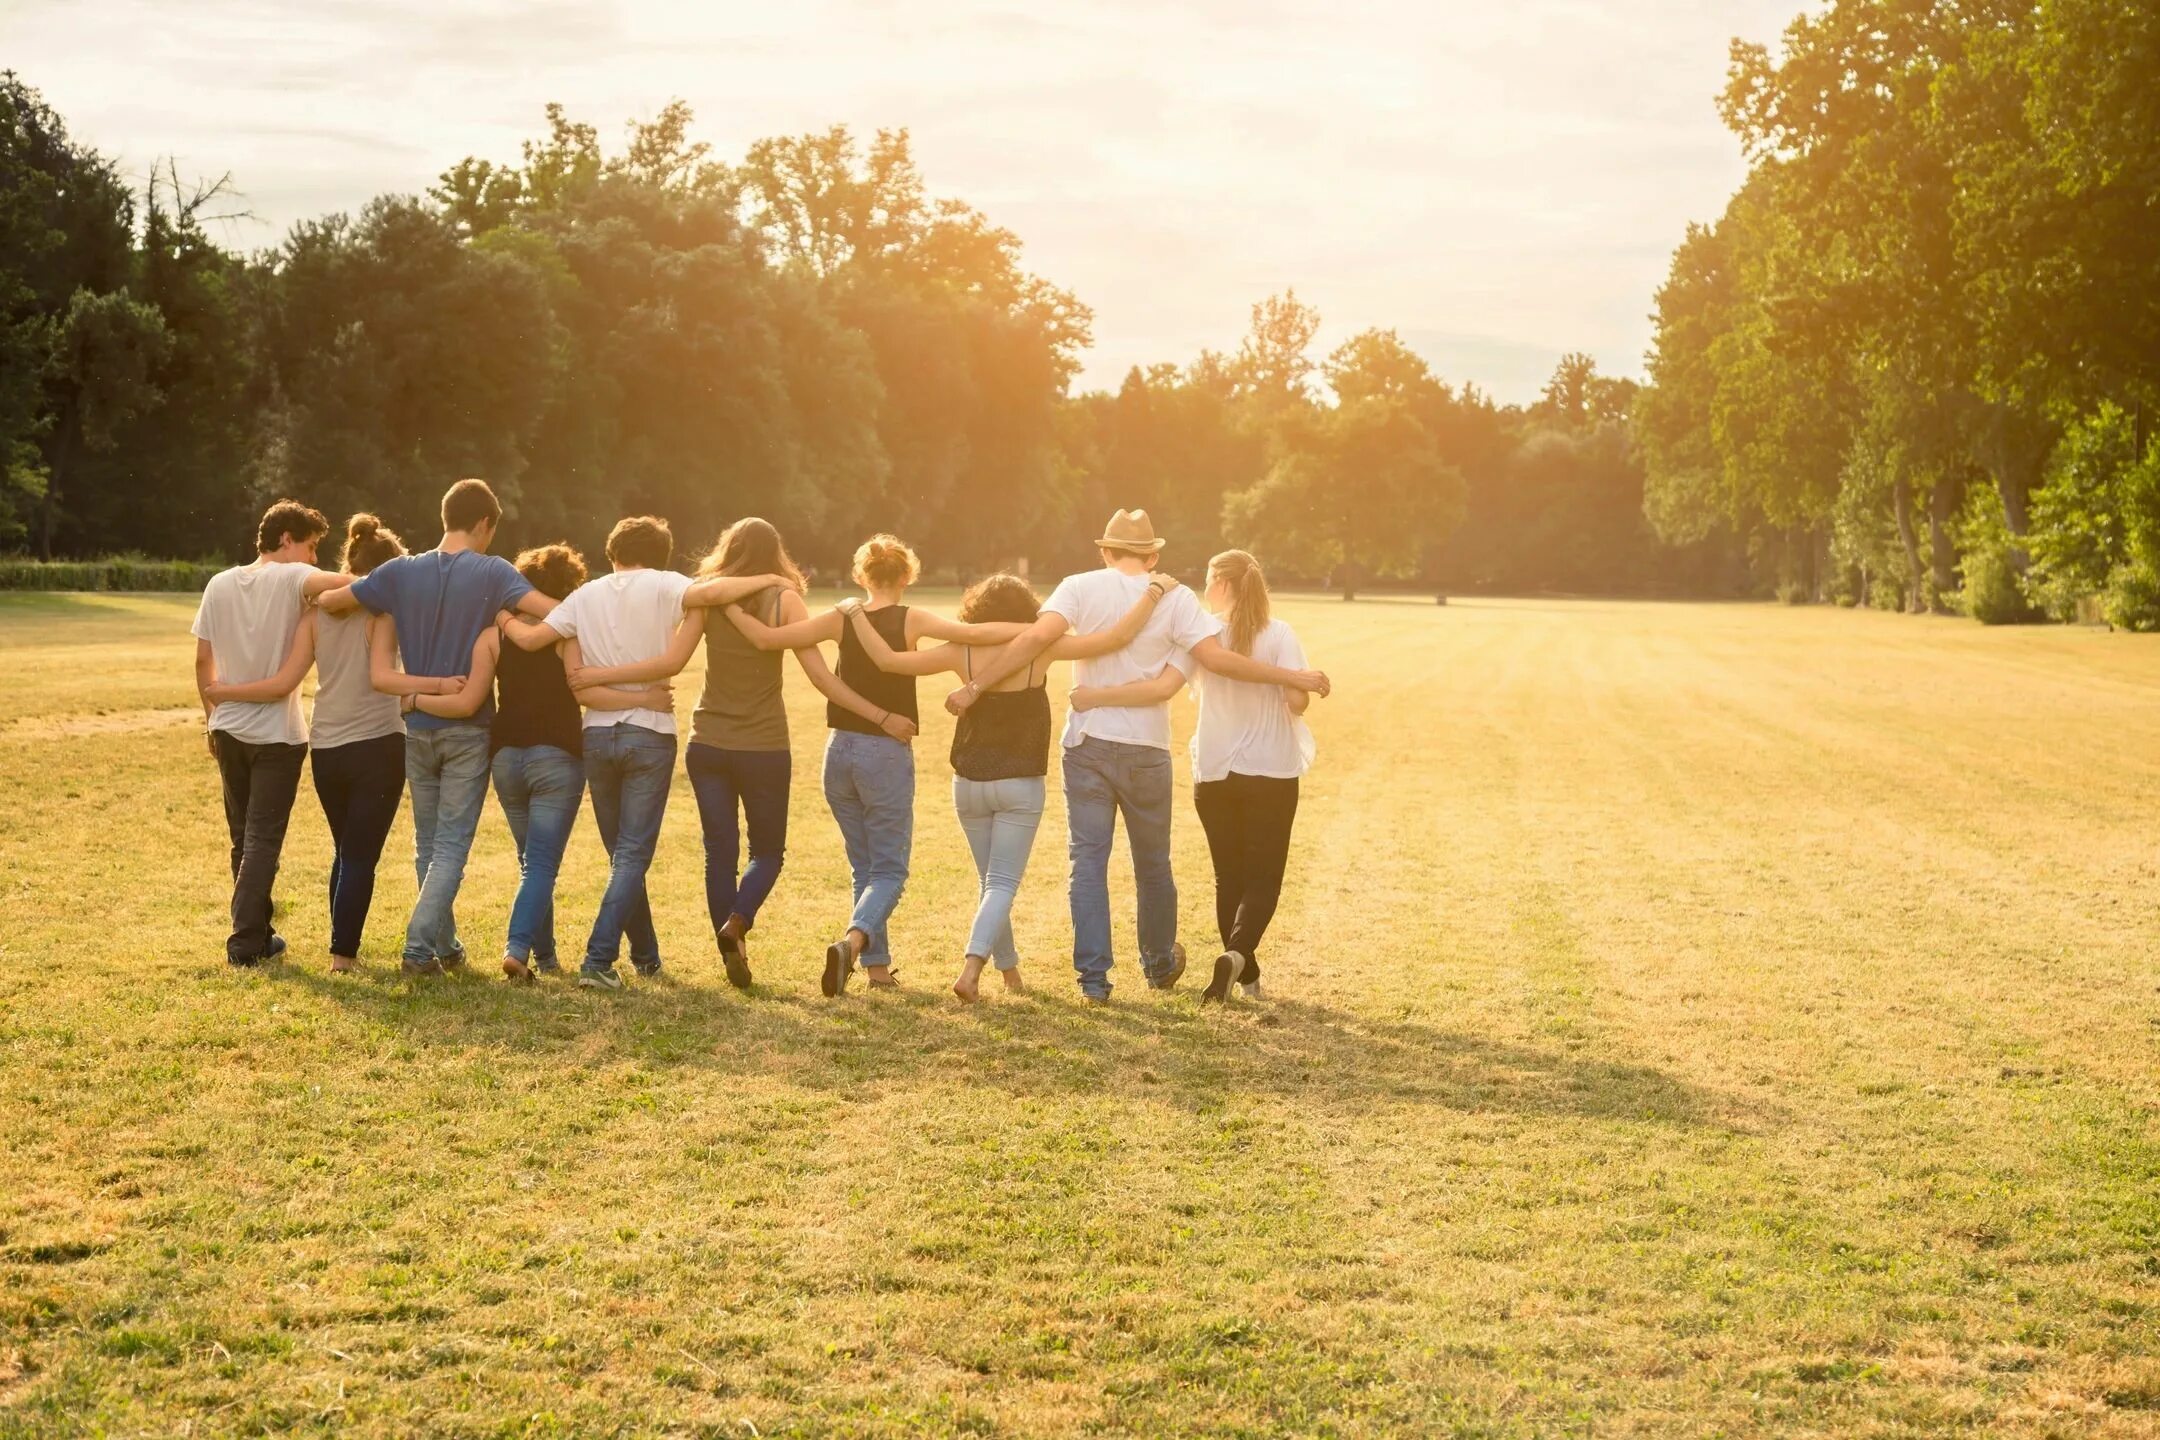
column 627, row 768
column 1000, row 818
column 360, row 786
column 447, row 769
column 1104, row 779
column 870, row 785
column 260, row 782
column 759, row 781
column 540, row 788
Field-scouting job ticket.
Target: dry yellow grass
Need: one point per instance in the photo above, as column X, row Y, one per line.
column 1692, row 1020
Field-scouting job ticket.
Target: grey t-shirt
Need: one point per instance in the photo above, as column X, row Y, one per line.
column 348, row 707
column 248, row 614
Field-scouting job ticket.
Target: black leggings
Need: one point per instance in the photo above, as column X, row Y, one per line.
column 360, row 786
column 1247, row 819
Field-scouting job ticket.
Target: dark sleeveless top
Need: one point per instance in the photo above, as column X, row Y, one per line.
column 861, row 674
column 533, row 703
column 1004, row 735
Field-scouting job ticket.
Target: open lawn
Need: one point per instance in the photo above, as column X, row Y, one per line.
column 1689, row 1020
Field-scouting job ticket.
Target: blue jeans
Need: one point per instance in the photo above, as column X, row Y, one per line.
column 1102, row 780
column 870, row 784
column 759, row 780
column 540, row 788
column 447, row 769
column 627, row 768
column 1000, row 818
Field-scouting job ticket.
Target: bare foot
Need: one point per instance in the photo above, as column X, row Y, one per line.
column 1012, row 981
column 968, row 986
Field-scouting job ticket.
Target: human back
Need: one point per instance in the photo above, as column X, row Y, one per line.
column 348, row 707
column 247, row 615
column 1094, row 601
column 742, row 706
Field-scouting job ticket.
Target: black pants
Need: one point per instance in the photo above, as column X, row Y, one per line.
column 260, row 782
column 360, row 786
column 1247, row 819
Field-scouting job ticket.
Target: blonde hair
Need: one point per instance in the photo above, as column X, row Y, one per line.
column 1248, row 597
column 885, row 561
column 750, row 547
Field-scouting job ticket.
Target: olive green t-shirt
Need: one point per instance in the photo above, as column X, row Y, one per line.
column 741, row 708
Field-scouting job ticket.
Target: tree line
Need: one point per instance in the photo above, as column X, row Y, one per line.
column 805, row 333
column 1913, row 365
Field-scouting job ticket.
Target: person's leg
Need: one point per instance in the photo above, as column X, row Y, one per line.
column 763, row 777
column 461, row 797
column 423, row 773
column 712, row 782
column 1016, row 815
column 603, row 782
column 1091, row 820
column 648, row 764
column 1144, row 798
column 333, row 773
column 885, row 786
column 514, row 794
column 273, row 784
column 850, row 811
column 1217, row 802
column 555, row 783
column 378, row 788
column 1270, row 811
column 235, row 775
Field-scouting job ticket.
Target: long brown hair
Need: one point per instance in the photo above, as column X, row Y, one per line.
column 1248, row 597
column 368, row 544
column 750, row 547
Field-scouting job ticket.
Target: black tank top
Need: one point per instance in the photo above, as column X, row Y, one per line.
column 860, row 673
column 1005, row 734
column 533, row 703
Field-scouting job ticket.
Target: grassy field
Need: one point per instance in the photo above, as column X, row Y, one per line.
column 1689, row 1020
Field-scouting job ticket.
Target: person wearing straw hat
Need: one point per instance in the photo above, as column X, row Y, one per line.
column 1117, row 758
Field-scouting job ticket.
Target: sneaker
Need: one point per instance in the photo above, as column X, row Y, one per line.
column 516, row 969
column 548, row 965
column 839, row 964
column 1095, row 997
column 1250, row 989
column 1177, row 969
column 646, row 972
column 1228, row 966
column 455, row 960
column 276, row 949
column 429, row 966
column 243, row 962
column 593, row 978
column 737, row 961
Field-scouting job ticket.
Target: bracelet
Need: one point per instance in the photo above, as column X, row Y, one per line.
column 883, row 718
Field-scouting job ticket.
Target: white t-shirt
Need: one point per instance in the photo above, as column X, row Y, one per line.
column 248, row 615
column 1096, row 601
column 621, row 619
column 1248, row 728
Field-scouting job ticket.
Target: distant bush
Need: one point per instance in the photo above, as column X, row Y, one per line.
column 116, row 572
column 1994, row 592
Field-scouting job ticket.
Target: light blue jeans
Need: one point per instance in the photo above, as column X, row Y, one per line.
column 447, row 769
column 870, row 784
column 540, row 788
column 627, row 768
column 1000, row 818
column 1104, row 779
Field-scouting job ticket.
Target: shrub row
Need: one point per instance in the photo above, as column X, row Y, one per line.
column 118, row 572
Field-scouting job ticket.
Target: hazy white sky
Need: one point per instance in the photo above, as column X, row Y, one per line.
column 1499, row 180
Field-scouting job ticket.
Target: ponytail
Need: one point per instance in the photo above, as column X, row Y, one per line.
column 1248, row 616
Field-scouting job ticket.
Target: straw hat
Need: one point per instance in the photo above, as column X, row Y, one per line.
column 1132, row 531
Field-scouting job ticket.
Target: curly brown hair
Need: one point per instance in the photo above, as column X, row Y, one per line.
column 554, row 570
column 1000, row 597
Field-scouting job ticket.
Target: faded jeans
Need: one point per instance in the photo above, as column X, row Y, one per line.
column 870, row 785
column 628, row 769
column 447, row 769
column 1104, row 779
column 1000, row 818
column 540, row 788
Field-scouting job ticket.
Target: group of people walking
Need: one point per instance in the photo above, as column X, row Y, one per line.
column 443, row 671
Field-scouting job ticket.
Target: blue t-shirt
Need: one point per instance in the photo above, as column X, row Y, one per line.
column 441, row 604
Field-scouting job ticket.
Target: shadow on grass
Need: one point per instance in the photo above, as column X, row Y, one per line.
column 1164, row 1049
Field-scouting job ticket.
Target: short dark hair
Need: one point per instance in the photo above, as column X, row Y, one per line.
column 468, row 504
column 554, row 570
column 289, row 520
column 641, row 540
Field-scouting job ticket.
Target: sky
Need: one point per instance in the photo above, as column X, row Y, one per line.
column 1500, row 181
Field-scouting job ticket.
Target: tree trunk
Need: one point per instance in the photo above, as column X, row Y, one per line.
column 1944, row 498
column 1347, row 572
column 1901, row 502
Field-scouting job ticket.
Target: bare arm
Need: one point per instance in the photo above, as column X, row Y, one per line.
column 664, row 666
column 1117, row 637
column 929, row 625
column 1224, row 661
column 383, row 671
column 205, row 676
column 812, row 660
column 789, row 635
column 479, row 683
column 1038, row 637
column 660, row 696
column 902, row 662
column 1299, row 701
column 527, row 634
column 535, row 604
column 338, row 598
column 322, row 582
column 731, row 589
column 1166, row 683
column 299, row 655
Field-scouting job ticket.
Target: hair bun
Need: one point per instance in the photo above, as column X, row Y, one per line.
column 362, row 527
